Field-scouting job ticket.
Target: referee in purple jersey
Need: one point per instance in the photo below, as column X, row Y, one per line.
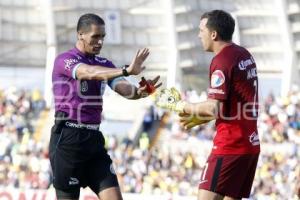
column 77, row 154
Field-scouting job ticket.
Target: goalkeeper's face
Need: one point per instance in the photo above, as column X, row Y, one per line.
column 205, row 35
column 92, row 40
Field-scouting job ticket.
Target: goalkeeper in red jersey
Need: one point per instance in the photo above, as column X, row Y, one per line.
column 233, row 103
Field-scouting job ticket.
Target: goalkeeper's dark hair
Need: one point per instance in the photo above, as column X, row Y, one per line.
column 221, row 22
column 85, row 21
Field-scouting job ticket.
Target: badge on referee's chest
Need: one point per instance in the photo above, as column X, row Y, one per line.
column 84, row 86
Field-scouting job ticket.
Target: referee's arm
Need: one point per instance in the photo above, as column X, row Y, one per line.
column 125, row 88
column 96, row 72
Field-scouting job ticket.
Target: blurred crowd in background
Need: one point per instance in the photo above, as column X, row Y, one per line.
column 172, row 165
column 23, row 158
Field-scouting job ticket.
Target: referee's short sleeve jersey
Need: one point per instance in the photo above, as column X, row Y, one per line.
column 80, row 99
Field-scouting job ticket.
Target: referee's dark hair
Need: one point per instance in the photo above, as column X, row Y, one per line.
column 221, row 22
column 85, row 21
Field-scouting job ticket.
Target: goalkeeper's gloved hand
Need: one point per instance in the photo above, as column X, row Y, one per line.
column 170, row 99
column 189, row 121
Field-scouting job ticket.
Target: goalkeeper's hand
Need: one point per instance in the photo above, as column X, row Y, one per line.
column 189, row 121
column 170, row 99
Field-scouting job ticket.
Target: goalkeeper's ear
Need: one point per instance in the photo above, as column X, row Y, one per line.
column 176, row 93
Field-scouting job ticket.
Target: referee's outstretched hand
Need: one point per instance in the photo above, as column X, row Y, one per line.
column 136, row 67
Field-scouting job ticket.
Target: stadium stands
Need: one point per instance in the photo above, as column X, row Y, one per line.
column 23, row 160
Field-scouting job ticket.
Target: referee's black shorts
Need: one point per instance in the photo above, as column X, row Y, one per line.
column 78, row 159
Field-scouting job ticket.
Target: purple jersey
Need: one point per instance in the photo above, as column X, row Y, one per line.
column 80, row 99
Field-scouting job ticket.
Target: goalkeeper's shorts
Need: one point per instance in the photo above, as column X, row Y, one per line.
column 229, row 175
column 78, row 159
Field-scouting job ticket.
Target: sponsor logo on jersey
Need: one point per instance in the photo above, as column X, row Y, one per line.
column 70, row 62
column 217, row 79
column 100, row 60
column 254, row 139
column 243, row 64
column 73, row 181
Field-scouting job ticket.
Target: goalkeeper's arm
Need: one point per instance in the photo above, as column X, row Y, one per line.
column 170, row 99
column 188, row 121
column 199, row 113
column 208, row 109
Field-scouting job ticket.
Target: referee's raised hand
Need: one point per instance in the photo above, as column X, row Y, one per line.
column 136, row 67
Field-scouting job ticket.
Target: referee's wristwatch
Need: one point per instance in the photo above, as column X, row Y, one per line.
column 124, row 70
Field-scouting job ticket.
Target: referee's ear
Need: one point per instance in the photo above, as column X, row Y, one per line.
column 79, row 36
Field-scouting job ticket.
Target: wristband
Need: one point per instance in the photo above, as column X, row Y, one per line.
column 124, row 70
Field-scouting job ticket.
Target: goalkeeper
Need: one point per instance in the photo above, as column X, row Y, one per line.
column 232, row 101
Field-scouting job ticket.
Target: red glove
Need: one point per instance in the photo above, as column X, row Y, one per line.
column 149, row 87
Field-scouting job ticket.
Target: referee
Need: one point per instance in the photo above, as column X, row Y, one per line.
column 77, row 154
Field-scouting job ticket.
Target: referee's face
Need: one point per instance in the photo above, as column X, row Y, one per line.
column 93, row 39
